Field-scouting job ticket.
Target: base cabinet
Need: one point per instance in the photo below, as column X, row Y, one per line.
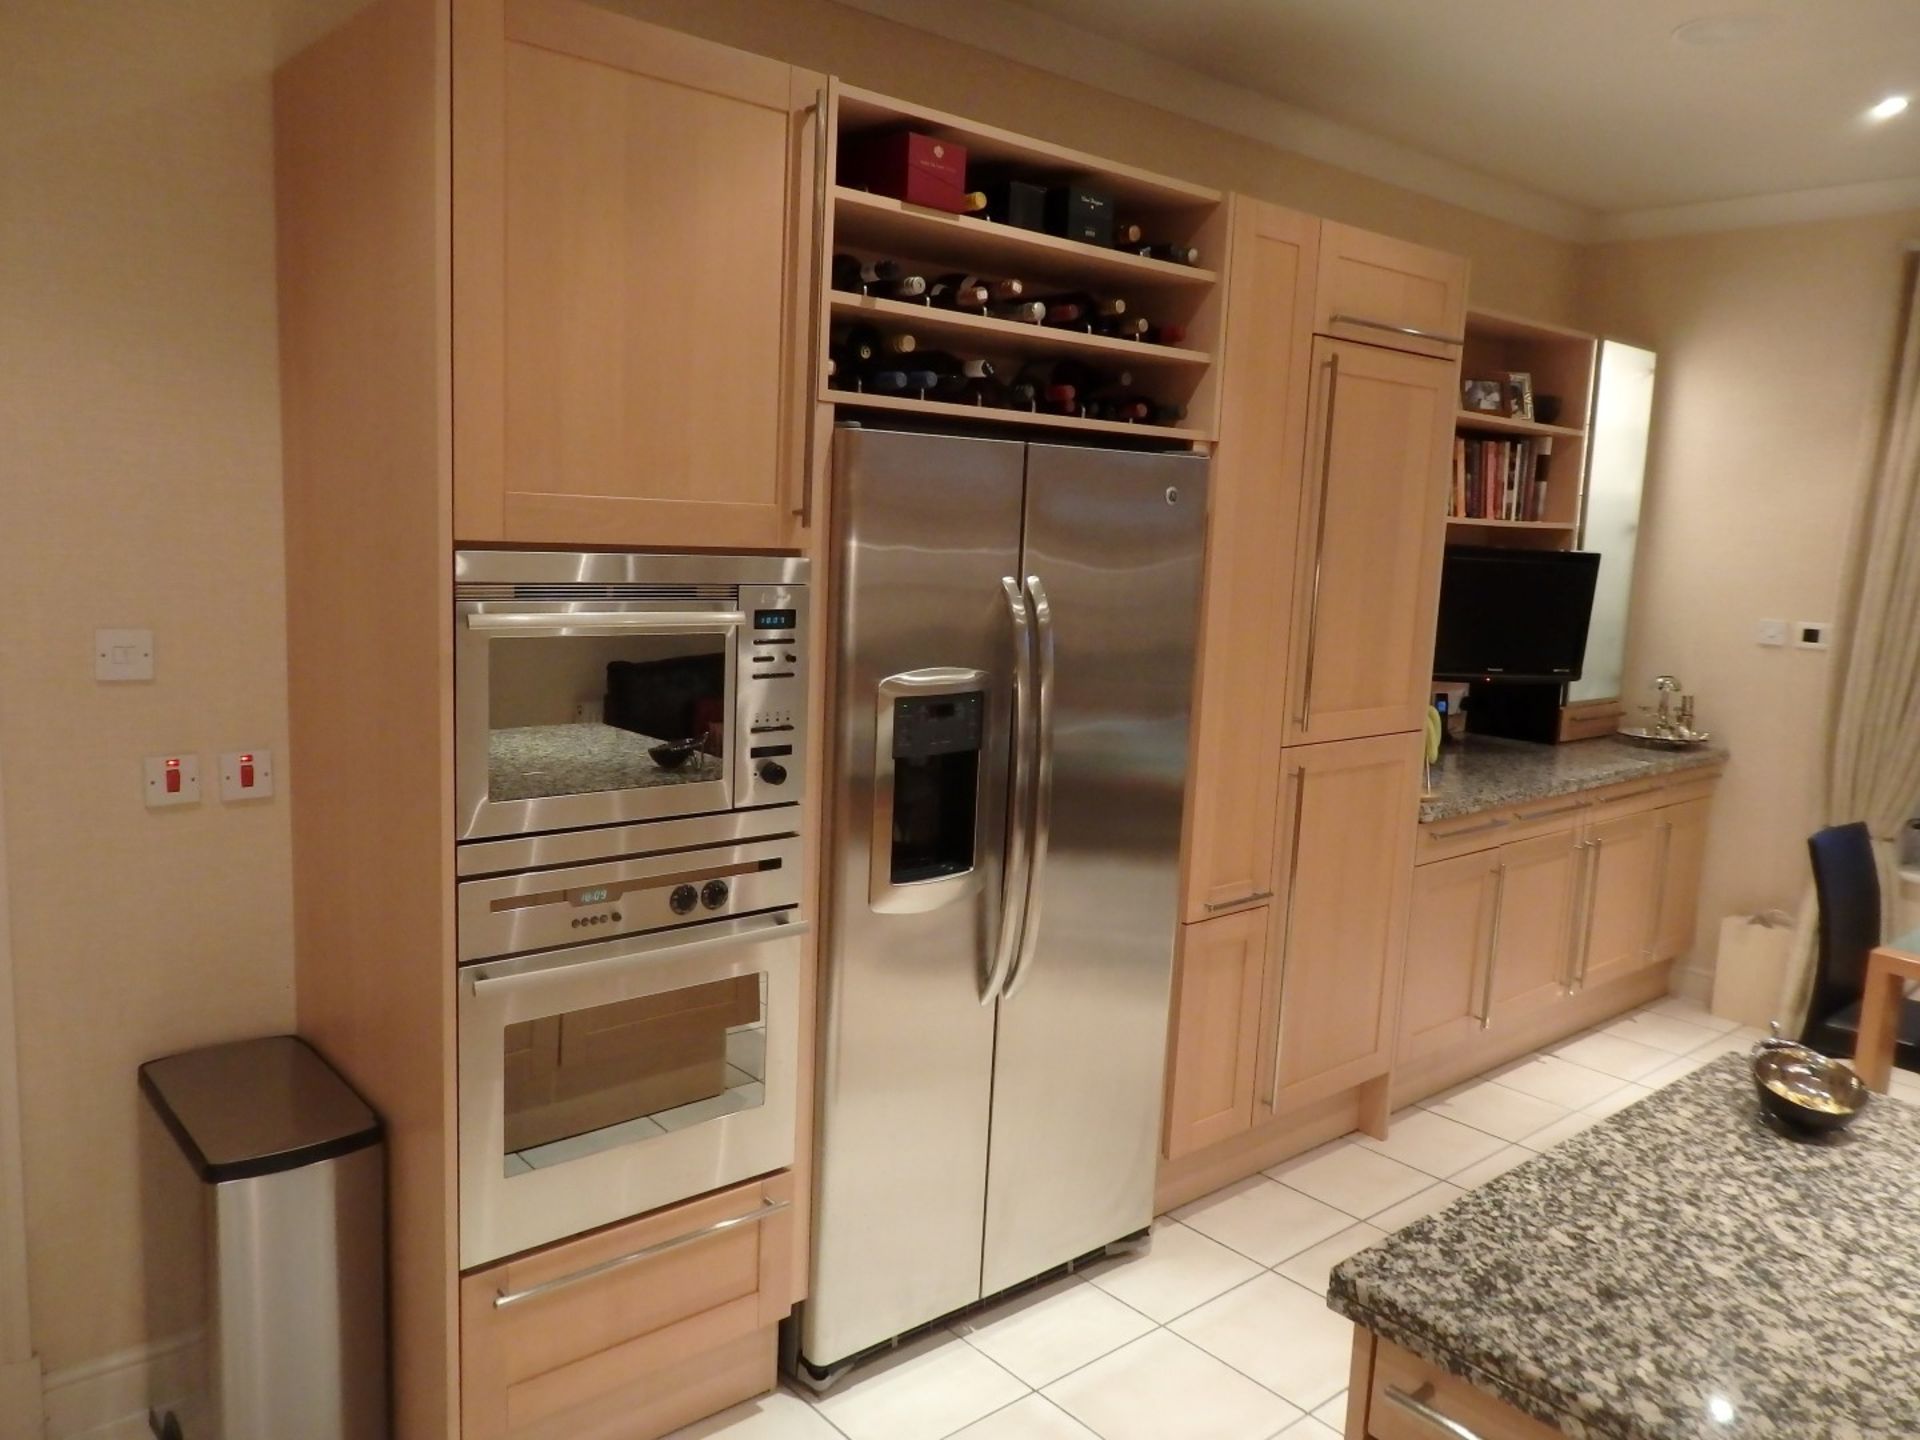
column 1533, row 943
column 634, row 1330
column 1622, row 884
column 1216, row 1030
column 1682, row 834
column 1450, row 938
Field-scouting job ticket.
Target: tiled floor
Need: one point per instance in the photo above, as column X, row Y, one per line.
column 1220, row 1331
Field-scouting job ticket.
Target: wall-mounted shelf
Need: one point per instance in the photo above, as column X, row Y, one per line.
column 1511, row 425
column 1465, row 523
column 989, row 415
column 962, row 331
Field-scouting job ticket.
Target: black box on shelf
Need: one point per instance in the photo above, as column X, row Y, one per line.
column 1078, row 213
column 1017, row 202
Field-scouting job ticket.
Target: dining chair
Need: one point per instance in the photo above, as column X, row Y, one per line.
column 1846, row 881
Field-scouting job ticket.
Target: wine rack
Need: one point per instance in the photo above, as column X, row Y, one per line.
column 1179, row 379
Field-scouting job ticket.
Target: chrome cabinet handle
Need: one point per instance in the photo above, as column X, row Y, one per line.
column 555, row 622
column 1576, row 920
column 1659, row 889
column 637, row 953
column 1242, row 900
column 1485, row 1017
column 1286, row 931
column 1593, row 885
column 1319, row 546
column 1416, row 1405
column 1549, row 814
column 592, row 1272
column 1497, row 823
column 1415, row 331
column 1013, row 877
column 1040, row 834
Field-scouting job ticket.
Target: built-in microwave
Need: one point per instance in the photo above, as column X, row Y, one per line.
column 605, row 689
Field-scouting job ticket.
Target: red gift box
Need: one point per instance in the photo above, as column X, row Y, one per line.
column 919, row 169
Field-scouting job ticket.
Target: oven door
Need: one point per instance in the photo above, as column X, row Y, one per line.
column 570, row 716
column 599, row 1083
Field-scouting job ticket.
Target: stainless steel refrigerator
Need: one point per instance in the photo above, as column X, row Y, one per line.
column 1015, row 628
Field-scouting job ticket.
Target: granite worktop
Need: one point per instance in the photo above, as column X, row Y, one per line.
column 1681, row 1270
column 529, row 762
column 1482, row 771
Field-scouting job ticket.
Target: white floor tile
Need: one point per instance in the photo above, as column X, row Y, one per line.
column 1334, row 1412
column 1904, row 1085
column 1278, row 1333
column 1662, row 1032
column 1549, row 1136
column 1041, row 1335
column 1309, row 1429
column 1732, row 1042
column 1497, row 1164
column 1678, row 1007
column 1418, row 1207
column 1160, row 1387
column 1556, row 1081
column 1495, row 1109
column 782, row 1415
column 1182, row 1269
column 1431, row 1143
column 1351, row 1178
column 1675, row 1068
column 1311, row 1267
column 1263, row 1219
column 1034, row 1418
column 1619, row 1100
column 1612, row 1055
column 926, row 1391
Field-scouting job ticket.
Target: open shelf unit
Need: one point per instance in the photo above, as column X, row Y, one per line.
column 932, row 242
column 1561, row 364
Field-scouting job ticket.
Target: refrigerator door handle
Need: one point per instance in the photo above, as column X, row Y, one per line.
column 1013, row 875
column 1040, row 805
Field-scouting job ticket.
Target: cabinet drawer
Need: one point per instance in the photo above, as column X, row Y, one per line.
column 1400, row 1373
column 631, row 1331
column 1489, row 829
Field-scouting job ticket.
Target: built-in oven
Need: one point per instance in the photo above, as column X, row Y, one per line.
column 628, row 1021
column 603, row 689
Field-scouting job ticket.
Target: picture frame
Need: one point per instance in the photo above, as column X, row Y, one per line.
column 1486, row 396
column 1519, row 394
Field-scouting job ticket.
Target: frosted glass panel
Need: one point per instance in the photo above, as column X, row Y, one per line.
column 1623, row 406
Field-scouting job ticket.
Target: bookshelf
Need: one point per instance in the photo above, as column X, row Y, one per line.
column 1561, row 364
column 925, row 241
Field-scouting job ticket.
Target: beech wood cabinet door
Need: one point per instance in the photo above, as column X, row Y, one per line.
column 1372, row 522
column 1450, row 937
column 1622, row 864
column 1390, row 292
column 634, row 223
column 1533, row 949
column 1216, row 1029
column 1234, row 779
column 1681, row 831
column 1344, row 877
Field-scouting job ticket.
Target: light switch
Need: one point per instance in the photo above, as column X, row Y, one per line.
column 1772, row 632
column 123, row 655
column 246, row 775
column 172, row 780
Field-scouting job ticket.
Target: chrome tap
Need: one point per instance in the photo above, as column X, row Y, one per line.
column 1666, row 687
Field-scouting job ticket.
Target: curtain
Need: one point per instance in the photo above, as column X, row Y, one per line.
column 1874, row 766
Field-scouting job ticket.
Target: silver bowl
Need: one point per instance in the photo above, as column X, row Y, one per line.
column 1801, row 1087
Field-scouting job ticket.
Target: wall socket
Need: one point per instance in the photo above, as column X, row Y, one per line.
column 1812, row 634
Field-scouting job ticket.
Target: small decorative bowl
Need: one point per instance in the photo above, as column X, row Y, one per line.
column 1801, row 1087
column 672, row 754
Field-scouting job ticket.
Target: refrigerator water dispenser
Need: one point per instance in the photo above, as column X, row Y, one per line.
column 930, row 733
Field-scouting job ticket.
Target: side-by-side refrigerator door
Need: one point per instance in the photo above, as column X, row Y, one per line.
column 1115, row 545
column 926, row 529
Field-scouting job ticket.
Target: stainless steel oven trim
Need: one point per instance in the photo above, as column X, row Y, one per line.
column 573, row 567
column 594, row 847
column 501, row 1216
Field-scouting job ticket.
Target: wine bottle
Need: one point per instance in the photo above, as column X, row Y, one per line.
column 1177, row 254
column 1031, row 311
column 1085, row 378
column 877, row 345
column 959, row 292
column 1126, row 235
column 903, row 287
column 945, row 363
column 1089, row 304
column 861, row 276
column 973, row 202
column 1124, row 327
column 1165, row 335
column 846, row 274
column 899, row 382
column 1168, row 414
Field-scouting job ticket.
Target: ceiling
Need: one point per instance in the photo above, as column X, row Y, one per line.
column 1593, row 102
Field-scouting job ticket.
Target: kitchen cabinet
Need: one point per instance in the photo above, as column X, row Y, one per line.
column 1450, row 939
column 1218, row 974
column 1367, row 566
column 1532, row 949
column 1682, row 834
column 1239, row 724
column 631, row 1331
column 635, row 213
column 1382, row 291
column 1621, row 881
column 1344, row 877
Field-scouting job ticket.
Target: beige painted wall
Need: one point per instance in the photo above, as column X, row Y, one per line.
column 139, row 485
column 1775, row 346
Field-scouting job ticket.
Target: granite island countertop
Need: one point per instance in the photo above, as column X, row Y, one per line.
column 1681, row 1270
column 1483, row 771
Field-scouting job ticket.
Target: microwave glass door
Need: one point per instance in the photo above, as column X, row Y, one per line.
column 606, row 1076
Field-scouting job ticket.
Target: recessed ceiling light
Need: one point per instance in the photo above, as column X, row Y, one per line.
column 1889, row 107
column 1718, row 30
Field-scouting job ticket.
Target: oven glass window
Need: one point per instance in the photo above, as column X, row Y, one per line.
column 619, row 1074
column 581, row 714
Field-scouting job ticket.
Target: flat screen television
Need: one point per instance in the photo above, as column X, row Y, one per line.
column 1514, row 615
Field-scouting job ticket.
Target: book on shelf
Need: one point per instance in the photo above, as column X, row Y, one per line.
column 1498, row 479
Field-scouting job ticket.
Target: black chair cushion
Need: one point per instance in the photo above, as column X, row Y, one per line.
column 1839, row 1034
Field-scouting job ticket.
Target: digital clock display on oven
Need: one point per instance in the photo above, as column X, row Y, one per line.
column 773, row 619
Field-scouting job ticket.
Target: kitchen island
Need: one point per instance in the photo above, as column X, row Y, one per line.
column 1681, row 1270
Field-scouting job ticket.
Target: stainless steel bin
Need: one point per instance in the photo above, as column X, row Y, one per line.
column 266, row 1247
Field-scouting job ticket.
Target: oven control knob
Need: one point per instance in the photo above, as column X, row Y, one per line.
column 714, row 894
column 683, row 899
column 773, row 772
